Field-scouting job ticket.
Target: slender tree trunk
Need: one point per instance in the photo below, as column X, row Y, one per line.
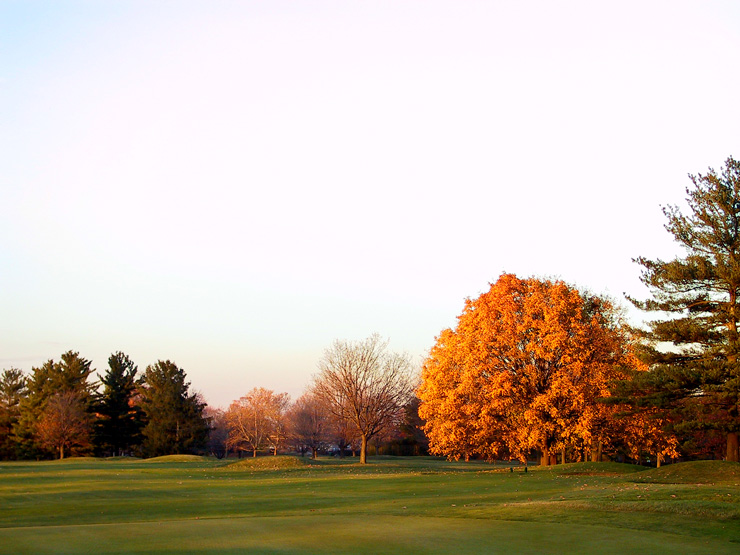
column 313, row 453
column 254, row 452
column 732, row 447
column 659, row 459
column 732, row 439
column 562, row 456
column 61, row 452
column 363, row 449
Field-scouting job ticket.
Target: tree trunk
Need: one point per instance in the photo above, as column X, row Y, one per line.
column 313, row 453
column 61, row 452
column 659, row 459
column 545, row 459
column 363, row 449
column 732, row 447
column 254, row 452
column 562, row 456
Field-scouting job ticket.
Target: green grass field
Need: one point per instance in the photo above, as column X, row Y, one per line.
column 394, row 505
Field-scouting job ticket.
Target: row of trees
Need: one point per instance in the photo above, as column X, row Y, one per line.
column 59, row 409
column 533, row 366
column 361, row 392
column 539, row 366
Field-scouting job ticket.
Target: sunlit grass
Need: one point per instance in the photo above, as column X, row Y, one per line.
column 175, row 458
column 415, row 505
column 266, row 463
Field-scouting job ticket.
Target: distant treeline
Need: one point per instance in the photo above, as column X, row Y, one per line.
column 59, row 410
column 534, row 368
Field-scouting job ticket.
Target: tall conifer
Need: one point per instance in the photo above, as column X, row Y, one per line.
column 174, row 416
column 12, row 390
column 695, row 298
column 119, row 423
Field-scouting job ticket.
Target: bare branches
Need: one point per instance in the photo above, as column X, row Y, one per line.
column 363, row 384
column 257, row 420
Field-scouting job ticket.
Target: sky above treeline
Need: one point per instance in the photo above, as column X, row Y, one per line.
column 235, row 185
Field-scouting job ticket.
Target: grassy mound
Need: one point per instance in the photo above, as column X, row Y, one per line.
column 175, row 458
column 595, row 468
column 77, row 459
column 694, row 472
column 267, row 463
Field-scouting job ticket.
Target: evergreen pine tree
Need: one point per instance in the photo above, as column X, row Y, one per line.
column 696, row 301
column 12, row 390
column 119, row 418
column 174, row 416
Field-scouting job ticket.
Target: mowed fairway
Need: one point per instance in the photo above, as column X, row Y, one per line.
column 393, row 505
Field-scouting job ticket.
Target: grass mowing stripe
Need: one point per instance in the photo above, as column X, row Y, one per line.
column 335, row 534
column 161, row 502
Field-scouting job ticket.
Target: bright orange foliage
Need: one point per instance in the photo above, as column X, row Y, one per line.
column 522, row 371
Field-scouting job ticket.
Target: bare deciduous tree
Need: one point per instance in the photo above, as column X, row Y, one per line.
column 363, row 384
column 310, row 423
column 218, row 433
column 278, row 416
column 344, row 434
column 256, row 420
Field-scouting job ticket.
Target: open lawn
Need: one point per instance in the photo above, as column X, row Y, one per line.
column 393, row 505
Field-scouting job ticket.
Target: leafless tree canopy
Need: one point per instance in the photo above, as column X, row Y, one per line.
column 310, row 423
column 257, row 420
column 365, row 385
column 218, row 433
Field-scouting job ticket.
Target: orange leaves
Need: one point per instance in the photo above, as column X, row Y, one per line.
column 64, row 423
column 522, row 370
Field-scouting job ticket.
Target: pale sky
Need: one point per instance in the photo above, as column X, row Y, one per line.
column 235, row 185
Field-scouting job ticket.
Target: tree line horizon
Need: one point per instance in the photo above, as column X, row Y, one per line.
column 534, row 369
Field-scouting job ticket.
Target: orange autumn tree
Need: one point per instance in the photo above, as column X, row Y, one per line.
column 446, row 402
column 643, row 434
column 523, row 370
